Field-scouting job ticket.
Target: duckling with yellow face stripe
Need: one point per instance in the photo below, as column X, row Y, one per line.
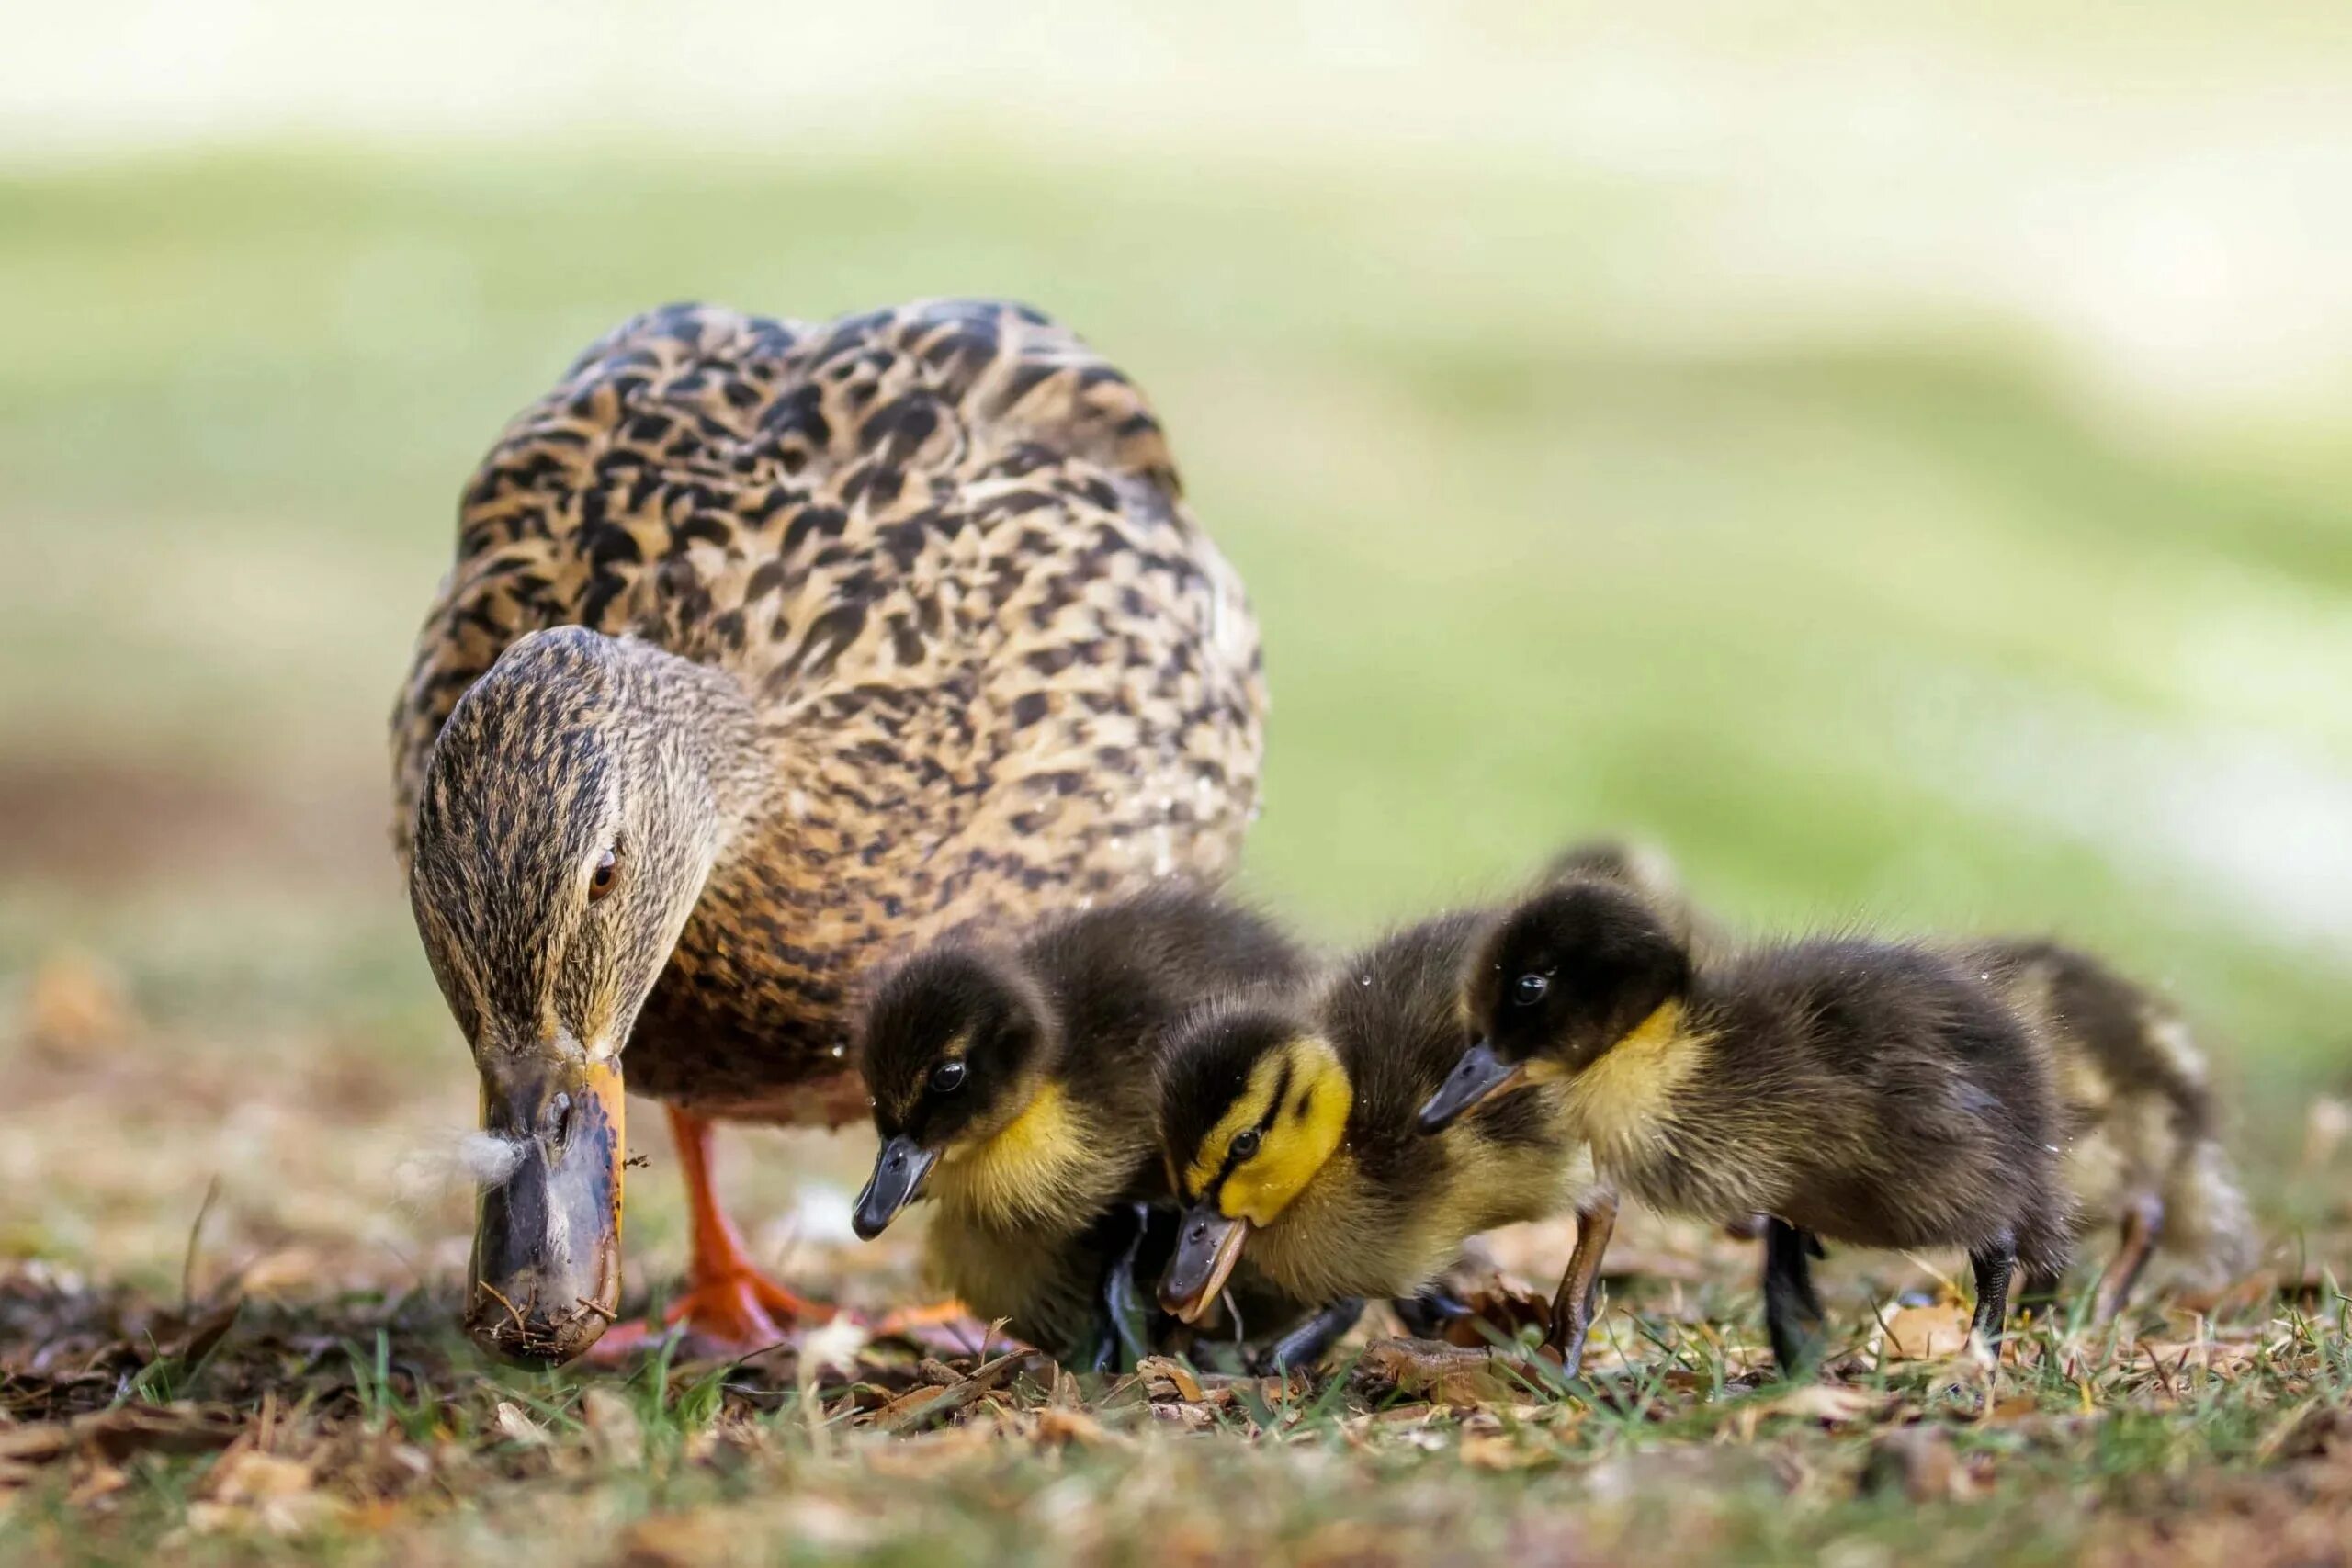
column 1013, row 1083
column 1287, row 1122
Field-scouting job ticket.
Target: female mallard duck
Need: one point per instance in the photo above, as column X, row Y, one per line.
column 1287, row 1125
column 1013, row 1084
column 770, row 649
column 2142, row 1153
column 1868, row 1092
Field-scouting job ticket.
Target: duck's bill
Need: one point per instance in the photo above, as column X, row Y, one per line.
column 1207, row 1247
column 897, row 1182
column 1479, row 1077
column 547, row 1265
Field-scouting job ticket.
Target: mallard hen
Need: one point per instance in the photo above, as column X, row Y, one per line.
column 771, row 649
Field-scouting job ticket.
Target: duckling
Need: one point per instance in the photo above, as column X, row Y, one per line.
column 2142, row 1155
column 1013, row 1083
column 1286, row 1123
column 2143, row 1152
column 1642, row 868
column 769, row 647
column 1876, row 1093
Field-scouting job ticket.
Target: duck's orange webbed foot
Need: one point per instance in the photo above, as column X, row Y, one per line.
column 730, row 1306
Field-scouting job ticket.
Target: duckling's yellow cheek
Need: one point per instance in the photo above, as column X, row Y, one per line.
column 1296, row 1147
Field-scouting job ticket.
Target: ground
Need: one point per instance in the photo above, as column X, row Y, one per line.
column 1903, row 618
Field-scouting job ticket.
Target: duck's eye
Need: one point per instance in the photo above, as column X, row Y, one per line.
column 947, row 1078
column 1530, row 990
column 607, row 871
column 1245, row 1143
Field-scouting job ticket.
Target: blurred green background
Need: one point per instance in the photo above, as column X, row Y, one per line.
column 1898, row 465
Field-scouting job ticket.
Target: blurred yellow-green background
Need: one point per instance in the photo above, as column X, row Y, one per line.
column 1897, row 462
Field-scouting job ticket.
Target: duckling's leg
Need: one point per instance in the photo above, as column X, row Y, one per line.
column 1793, row 1314
column 1305, row 1345
column 1993, row 1263
column 1130, row 1316
column 2144, row 1222
column 1426, row 1315
column 729, row 1302
column 1572, row 1307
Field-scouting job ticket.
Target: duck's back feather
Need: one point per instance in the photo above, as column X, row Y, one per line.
column 944, row 550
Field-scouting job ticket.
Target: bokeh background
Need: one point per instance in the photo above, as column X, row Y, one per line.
column 1897, row 462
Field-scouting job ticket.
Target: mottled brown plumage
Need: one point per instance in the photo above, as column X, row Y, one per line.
column 887, row 625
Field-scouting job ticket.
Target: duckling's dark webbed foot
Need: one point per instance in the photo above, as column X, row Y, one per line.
column 1428, row 1315
column 1993, row 1264
column 1137, row 1238
column 1305, row 1344
column 1793, row 1314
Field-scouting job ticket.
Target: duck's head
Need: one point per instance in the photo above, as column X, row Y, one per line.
column 1252, row 1105
column 1562, row 977
column 955, row 1043
column 562, row 835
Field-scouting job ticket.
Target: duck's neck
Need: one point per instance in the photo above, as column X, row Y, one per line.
column 699, row 726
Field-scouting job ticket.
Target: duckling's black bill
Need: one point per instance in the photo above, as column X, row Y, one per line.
column 897, row 1182
column 1479, row 1075
column 1207, row 1247
column 546, row 1263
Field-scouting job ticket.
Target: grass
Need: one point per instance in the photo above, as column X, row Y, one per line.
column 1901, row 621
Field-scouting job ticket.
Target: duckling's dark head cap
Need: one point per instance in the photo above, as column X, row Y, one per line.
column 951, row 1037
column 1572, row 969
column 1206, row 1062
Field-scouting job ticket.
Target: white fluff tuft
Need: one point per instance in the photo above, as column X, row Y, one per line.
column 470, row 1158
column 489, row 1159
column 821, row 1217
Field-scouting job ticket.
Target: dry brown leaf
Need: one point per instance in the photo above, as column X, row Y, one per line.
column 1059, row 1424
column 1932, row 1333
column 157, row 1428
column 2011, row 1408
column 513, row 1423
column 1444, row 1374
column 74, row 1005
column 1495, row 1451
column 246, row 1475
column 1919, row 1462
column 613, row 1428
column 100, row 1480
column 1176, row 1378
column 35, row 1444
column 1835, row 1405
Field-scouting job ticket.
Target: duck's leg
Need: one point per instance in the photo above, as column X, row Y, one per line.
column 2144, row 1222
column 729, row 1303
column 1304, row 1346
column 1793, row 1313
column 1572, row 1307
column 1993, row 1263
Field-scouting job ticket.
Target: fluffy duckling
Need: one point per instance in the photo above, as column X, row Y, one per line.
column 1286, row 1121
column 1013, row 1083
column 1875, row 1093
column 2143, row 1152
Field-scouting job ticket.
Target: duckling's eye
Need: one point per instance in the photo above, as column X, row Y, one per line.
column 947, row 1078
column 1530, row 990
column 1245, row 1143
column 607, row 871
